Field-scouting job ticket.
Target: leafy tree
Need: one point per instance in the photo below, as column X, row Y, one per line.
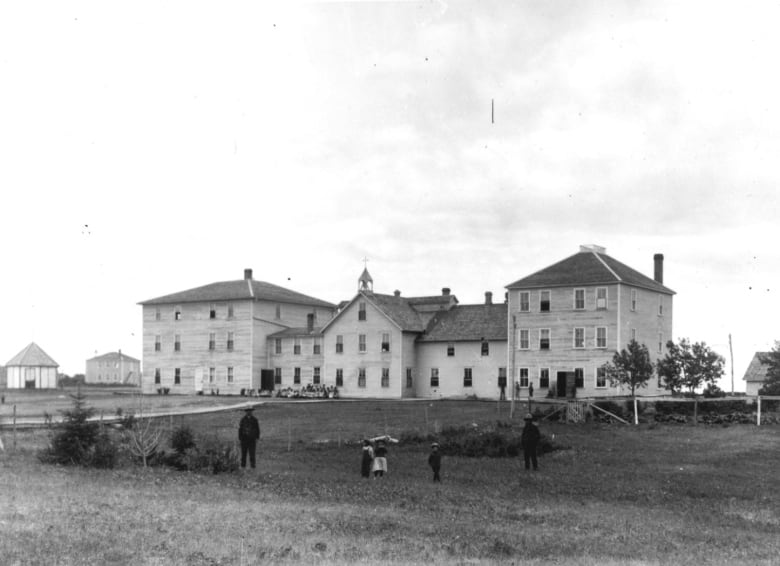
column 631, row 367
column 772, row 381
column 689, row 365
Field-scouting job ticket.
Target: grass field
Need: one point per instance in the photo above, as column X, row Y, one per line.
column 620, row 495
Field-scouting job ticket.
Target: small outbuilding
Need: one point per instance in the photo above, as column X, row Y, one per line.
column 755, row 375
column 32, row 368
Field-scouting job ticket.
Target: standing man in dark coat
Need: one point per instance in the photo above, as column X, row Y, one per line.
column 529, row 440
column 248, row 435
column 434, row 461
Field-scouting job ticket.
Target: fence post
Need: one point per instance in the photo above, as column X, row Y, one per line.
column 695, row 411
column 14, row 428
column 758, row 413
column 636, row 413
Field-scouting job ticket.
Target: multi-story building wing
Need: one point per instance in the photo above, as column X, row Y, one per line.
column 214, row 337
column 370, row 345
column 296, row 356
column 113, row 367
column 567, row 320
column 463, row 352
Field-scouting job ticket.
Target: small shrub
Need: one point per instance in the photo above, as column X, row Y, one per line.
column 182, row 439
column 74, row 443
column 104, row 454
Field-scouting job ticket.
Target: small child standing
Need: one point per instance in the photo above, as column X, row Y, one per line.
column 380, row 459
column 434, row 461
column 367, row 459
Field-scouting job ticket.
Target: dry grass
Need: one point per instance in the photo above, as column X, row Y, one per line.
column 620, row 495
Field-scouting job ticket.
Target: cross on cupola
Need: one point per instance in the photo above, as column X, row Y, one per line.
column 365, row 283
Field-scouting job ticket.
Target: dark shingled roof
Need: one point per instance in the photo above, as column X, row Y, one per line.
column 432, row 300
column 397, row 309
column 756, row 371
column 241, row 289
column 32, row 356
column 468, row 322
column 588, row 268
column 297, row 331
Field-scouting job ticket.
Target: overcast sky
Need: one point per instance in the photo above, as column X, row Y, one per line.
column 148, row 147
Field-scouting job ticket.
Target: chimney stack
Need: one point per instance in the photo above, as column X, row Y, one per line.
column 488, row 298
column 247, row 274
column 445, row 291
column 397, row 293
column 658, row 274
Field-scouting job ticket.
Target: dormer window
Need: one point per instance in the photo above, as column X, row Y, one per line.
column 485, row 350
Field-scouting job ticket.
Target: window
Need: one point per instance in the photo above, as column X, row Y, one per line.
column 177, row 312
column 601, row 337
column 466, row 377
column 525, row 301
column 660, row 342
column 230, row 375
column 278, row 342
column 297, row 346
column 544, row 301
column 409, row 378
column 157, row 315
column 362, row 377
column 544, row 378
column 361, row 311
column 633, row 334
column 579, row 378
column 660, row 305
column 297, row 375
column 601, row 377
column 316, row 376
column 177, row 376
column 633, row 299
column 544, row 339
column 434, row 377
column 157, row 375
column 385, row 342
column 157, row 343
column 230, row 342
column 278, row 314
column 450, row 349
column 230, row 310
column 601, row 298
column 523, row 377
column 212, row 341
column 177, row 343
column 385, row 377
column 502, row 377
column 212, row 374
column 212, row 310
column 485, row 348
column 361, row 342
column 277, row 376
column 339, row 344
column 579, row 299
column 525, row 340
column 339, row 377
column 579, row 337
column 317, row 348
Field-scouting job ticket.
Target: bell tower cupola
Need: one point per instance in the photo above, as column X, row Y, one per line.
column 365, row 283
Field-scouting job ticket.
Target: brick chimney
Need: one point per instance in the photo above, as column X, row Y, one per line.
column 397, row 293
column 248, row 274
column 445, row 291
column 488, row 298
column 658, row 273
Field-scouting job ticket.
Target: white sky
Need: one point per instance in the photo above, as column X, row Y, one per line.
column 151, row 147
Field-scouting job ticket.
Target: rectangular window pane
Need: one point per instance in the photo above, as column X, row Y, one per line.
column 361, row 343
column 361, row 377
column 633, row 299
column 339, row 344
column 579, row 299
column 278, row 345
column 157, row 375
column 177, row 376
column 450, row 349
column 601, row 377
column 385, row 377
column 277, row 376
column 523, row 377
column 544, row 339
column 409, row 379
column 230, row 375
column 316, row 349
column 466, row 377
column 297, row 375
column 579, row 378
column 297, row 346
column 601, row 298
column 525, row 340
column 316, row 376
column 485, row 348
column 579, row 337
column 434, row 377
column 544, row 378
column 601, row 337
column 525, row 301
column 339, row 377
column 544, row 301
column 362, row 311
column 230, row 341
column 177, row 343
column 385, row 342
column 212, row 340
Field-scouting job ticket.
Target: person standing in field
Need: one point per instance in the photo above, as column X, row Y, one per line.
column 367, row 459
column 434, row 461
column 529, row 440
column 248, row 435
column 380, row 459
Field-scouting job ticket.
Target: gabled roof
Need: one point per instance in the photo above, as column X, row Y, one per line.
column 33, row 356
column 241, row 289
column 468, row 322
column 588, row 268
column 113, row 356
column 756, row 371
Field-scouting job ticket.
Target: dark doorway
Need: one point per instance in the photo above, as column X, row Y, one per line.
column 565, row 384
column 267, row 379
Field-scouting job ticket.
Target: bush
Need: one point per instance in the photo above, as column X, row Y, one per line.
column 182, row 439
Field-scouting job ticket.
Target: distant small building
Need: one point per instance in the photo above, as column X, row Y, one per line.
column 755, row 374
column 32, row 368
column 3, row 378
column 115, row 368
